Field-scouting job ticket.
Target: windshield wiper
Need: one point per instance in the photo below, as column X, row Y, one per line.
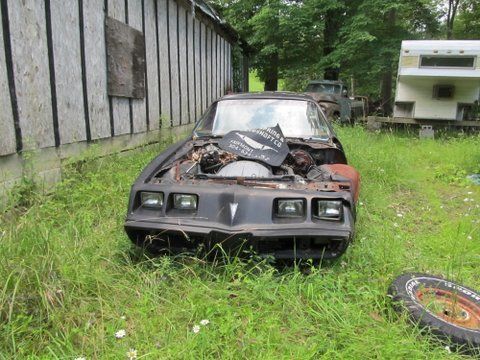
column 311, row 138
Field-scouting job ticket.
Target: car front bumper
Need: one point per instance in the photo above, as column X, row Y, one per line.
column 252, row 226
column 280, row 241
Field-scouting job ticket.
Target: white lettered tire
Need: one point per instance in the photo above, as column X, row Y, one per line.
column 447, row 309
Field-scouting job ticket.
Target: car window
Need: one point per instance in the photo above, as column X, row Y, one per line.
column 296, row 118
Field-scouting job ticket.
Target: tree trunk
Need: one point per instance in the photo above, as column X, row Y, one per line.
column 452, row 12
column 388, row 73
column 332, row 26
column 271, row 74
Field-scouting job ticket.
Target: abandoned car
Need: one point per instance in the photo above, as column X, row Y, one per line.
column 261, row 172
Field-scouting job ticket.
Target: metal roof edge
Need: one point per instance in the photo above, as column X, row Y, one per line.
column 207, row 10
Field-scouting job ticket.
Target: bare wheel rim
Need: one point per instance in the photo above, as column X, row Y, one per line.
column 450, row 307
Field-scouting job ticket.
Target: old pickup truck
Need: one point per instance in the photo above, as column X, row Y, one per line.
column 333, row 98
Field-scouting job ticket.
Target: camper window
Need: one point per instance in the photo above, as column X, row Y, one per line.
column 443, row 91
column 465, row 62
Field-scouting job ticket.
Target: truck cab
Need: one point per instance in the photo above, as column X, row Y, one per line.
column 333, row 98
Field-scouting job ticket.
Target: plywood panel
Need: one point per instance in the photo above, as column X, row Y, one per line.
column 68, row 72
column 175, row 85
column 220, row 65
column 204, row 74
column 31, row 72
column 96, row 68
column 209, row 65
column 138, row 105
column 214, row 66
column 120, row 106
column 191, row 67
column 125, row 59
column 152, row 64
column 164, row 59
column 229, row 68
column 225, row 70
column 217, row 64
column 7, row 130
column 198, row 98
column 182, row 35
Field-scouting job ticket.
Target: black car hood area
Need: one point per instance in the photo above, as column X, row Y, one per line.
column 235, row 195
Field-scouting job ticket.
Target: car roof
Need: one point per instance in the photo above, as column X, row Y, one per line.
column 286, row 95
column 335, row 82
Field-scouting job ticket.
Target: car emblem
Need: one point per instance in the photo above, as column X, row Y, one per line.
column 233, row 210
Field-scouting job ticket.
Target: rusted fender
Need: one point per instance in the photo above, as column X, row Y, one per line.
column 348, row 172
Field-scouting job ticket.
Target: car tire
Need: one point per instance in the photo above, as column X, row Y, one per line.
column 335, row 118
column 448, row 310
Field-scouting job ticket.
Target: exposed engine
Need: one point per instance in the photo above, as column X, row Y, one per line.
column 208, row 161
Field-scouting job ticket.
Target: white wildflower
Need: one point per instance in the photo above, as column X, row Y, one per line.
column 81, row 358
column 120, row 334
column 447, row 348
column 465, row 200
column 123, row 317
column 441, row 206
column 361, row 203
column 196, row 329
column 204, row 322
column 469, row 237
column 395, row 224
column 132, row 354
column 400, row 215
column 470, row 192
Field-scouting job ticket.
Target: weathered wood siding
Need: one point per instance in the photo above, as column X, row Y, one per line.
column 7, row 128
column 29, row 56
column 95, row 76
column 53, row 70
column 68, row 72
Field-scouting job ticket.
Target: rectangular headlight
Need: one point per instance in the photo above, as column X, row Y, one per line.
column 290, row 208
column 185, row 201
column 151, row 199
column 328, row 209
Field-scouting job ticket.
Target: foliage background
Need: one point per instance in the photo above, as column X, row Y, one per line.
column 355, row 40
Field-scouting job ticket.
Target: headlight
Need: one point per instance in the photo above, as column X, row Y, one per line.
column 151, row 199
column 328, row 209
column 185, row 201
column 290, row 208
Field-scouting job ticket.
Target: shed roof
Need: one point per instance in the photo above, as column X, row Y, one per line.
column 207, row 10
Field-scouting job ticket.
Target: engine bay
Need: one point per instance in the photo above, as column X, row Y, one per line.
column 306, row 166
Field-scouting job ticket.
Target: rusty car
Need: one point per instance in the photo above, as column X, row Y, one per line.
column 333, row 97
column 261, row 172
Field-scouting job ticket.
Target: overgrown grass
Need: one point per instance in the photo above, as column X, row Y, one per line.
column 69, row 274
column 255, row 84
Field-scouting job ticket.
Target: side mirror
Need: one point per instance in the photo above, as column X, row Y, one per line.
column 344, row 93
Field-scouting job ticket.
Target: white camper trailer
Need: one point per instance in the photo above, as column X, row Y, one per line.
column 438, row 80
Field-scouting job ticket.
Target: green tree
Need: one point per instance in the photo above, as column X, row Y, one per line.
column 334, row 39
column 467, row 22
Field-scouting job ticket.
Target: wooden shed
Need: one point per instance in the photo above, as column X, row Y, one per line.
column 119, row 73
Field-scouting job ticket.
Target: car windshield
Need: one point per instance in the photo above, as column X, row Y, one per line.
column 323, row 88
column 296, row 118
